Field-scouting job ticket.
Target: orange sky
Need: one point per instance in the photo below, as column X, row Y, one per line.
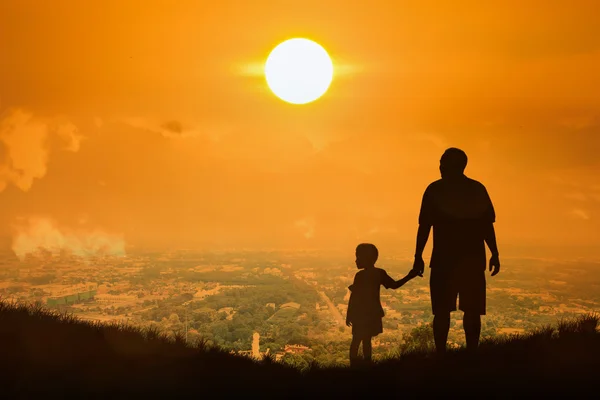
column 147, row 122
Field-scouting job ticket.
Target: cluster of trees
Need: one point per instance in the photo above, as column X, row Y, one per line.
column 40, row 280
column 420, row 338
column 249, row 312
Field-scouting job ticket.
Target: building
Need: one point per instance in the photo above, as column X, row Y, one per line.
column 255, row 352
column 73, row 295
column 113, row 299
column 296, row 348
column 290, row 305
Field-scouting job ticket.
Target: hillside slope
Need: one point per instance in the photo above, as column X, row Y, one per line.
column 47, row 353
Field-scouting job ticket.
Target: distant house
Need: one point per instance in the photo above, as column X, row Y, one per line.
column 296, row 348
column 111, row 299
column 290, row 305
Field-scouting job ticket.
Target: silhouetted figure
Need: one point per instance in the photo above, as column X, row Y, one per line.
column 364, row 306
column 462, row 216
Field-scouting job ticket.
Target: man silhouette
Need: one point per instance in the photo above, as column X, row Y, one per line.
column 462, row 216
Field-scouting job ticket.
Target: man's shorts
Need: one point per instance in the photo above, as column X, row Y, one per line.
column 447, row 284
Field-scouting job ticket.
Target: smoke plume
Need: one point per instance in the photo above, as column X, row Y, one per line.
column 34, row 234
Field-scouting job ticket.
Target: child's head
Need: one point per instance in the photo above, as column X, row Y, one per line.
column 366, row 255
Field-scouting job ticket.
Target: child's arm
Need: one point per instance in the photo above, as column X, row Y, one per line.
column 401, row 282
column 349, row 311
column 390, row 283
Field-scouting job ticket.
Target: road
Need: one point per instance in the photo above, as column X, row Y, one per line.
column 335, row 313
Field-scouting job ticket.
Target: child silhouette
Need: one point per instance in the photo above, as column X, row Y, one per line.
column 365, row 312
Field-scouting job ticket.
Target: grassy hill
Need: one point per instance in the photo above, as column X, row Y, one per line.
column 45, row 353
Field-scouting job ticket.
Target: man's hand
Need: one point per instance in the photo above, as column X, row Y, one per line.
column 412, row 273
column 494, row 264
column 419, row 266
column 348, row 323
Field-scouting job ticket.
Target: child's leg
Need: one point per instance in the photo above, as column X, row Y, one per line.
column 367, row 349
column 354, row 348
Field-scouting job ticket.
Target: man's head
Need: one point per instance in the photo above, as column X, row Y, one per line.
column 366, row 255
column 453, row 163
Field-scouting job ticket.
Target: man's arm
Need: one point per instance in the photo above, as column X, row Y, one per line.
column 490, row 240
column 422, row 238
column 490, row 235
column 426, row 217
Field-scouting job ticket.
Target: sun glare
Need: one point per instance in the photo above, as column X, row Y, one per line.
column 299, row 71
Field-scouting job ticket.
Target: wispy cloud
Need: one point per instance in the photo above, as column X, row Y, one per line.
column 578, row 213
column 306, row 226
column 173, row 128
column 576, row 196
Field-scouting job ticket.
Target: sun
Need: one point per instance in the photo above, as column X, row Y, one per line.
column 299, row 71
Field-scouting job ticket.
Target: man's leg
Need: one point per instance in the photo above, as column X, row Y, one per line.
column 441, row 326
column 443, row 301
column 472, row 302
column 472, row 325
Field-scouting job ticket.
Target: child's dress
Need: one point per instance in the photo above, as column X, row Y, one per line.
column 364, row 307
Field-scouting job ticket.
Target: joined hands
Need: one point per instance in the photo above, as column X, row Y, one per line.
column 418, row 267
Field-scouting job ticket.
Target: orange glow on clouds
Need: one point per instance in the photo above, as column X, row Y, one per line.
column 153, row 120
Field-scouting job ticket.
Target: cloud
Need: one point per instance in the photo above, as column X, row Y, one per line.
column 576, row 184
column 171, row 128
column 382, row 230
column 33, row 233
column 576, row 196
column 70, row 136
column 26, row 143
column 579, row 122
column 438, row 141
column 580, row 214
column 306, row 226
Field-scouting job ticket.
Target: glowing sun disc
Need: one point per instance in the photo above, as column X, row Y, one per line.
column 299, row 71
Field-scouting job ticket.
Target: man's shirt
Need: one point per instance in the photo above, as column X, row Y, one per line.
column 460, row 210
